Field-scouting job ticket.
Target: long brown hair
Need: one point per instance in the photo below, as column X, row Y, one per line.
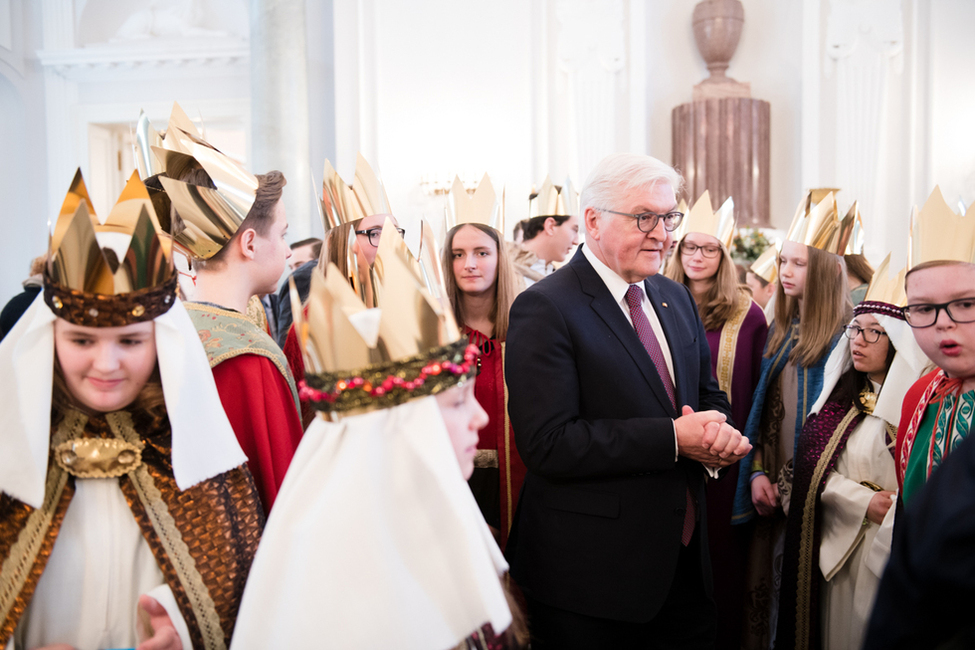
column 721, row 300
column 505, row 282
column 149, row 405
column 825, row 308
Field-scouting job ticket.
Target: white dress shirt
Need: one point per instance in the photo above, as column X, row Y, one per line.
column 617, row 288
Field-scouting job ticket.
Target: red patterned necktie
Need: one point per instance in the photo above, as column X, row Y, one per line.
column 634, row 300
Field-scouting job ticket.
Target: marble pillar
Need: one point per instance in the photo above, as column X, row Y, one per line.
column 722, row 145
column 279, row 103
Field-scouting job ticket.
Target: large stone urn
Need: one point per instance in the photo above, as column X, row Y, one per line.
column 717, row 28
column 721, row 137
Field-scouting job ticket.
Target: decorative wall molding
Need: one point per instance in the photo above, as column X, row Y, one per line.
column 108, row 62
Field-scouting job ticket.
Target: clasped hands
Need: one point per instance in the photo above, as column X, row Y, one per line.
column 708, row 438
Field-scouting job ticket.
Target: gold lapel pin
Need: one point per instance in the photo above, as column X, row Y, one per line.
column 664, row 304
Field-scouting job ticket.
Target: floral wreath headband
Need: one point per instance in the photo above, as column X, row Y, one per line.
column 390, row 384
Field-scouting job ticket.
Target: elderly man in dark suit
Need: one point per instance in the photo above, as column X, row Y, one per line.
column 617, row 418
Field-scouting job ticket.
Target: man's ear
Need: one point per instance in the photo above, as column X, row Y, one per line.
column 590, row 219
column 247, row 243
column 550, row 226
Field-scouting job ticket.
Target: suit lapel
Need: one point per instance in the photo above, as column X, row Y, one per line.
column 611, row 313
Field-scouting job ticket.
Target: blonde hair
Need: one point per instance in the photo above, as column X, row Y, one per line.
column 721, row 300
column 825, row 308
column 505, row 281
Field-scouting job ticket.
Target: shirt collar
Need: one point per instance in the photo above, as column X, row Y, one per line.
column 617, row 286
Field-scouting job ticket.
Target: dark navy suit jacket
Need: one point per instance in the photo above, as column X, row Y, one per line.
column 599, row 521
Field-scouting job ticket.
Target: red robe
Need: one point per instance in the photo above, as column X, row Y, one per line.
column 492, row 395
column 261, row 410
column 253, row 379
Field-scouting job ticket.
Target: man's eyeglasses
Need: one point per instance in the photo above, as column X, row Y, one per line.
column 687, row 248
column 926, row 315
column 375, row 233
column 870, row 334
column 647, row 221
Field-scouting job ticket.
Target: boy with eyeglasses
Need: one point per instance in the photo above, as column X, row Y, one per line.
column 938, row 409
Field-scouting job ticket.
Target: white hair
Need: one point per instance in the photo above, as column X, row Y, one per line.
column 620, row 172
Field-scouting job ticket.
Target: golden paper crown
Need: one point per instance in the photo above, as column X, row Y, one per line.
column 210, row 216
column 342, row 203
column 702, row 219
column 88, row 286
column 554, row 200
column 816, row 223
column 939, row 233
column 766, row 266
column 361, row 358
column 886, row 288
column 851, row 230
column 484, row 207
column 342, row 250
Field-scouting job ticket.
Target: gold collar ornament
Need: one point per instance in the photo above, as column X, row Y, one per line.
column 554, row 200
column 867, row 401
column 98, row 457
column 939, row 233
column 211, row 216
column 113, row 273
column 701, row 219
column 484, row 206
column 817, row 224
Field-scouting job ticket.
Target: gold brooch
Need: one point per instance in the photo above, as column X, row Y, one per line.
column 98, row 457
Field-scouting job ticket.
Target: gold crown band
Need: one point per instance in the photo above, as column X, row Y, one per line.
column 390, row 384
column 102, row 310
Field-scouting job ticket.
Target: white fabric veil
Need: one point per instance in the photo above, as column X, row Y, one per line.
column 375, row 541
column 204, row 444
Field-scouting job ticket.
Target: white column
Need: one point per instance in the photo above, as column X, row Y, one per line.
column 279, row 103
column 592, row 53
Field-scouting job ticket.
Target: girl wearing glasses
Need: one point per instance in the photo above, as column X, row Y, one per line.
column 736, row 331
column 481, row 283
column 811, row 307
column 840, row 516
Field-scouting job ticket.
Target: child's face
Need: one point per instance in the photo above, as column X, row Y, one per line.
column 948, row 344
column 464, row 417
column 105, row 367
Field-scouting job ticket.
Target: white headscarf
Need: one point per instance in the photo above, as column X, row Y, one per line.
column 203, row 442
column 375, row 541
column 907, row 367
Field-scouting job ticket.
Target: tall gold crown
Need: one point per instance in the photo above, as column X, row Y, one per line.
column 87, row 284
column 766, row 266
column 554, row 200
column 702, row 219
column 343, row 203
column 887, row 288
column 342, row 251
column 939, row 233
column 210, row 215
column 484, row 207
column 816, row 223
column 361, row 358
column 851, row 230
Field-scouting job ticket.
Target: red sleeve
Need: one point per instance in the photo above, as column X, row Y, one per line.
column 261, row 409
column 912, row 401
column 297, row 363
